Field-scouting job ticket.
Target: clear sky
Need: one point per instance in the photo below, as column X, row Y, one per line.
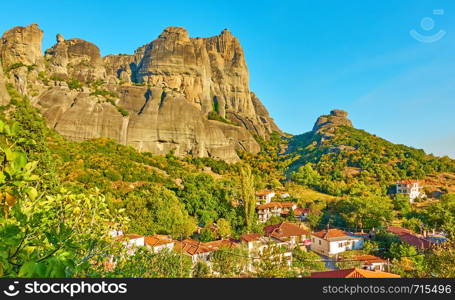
column 304, row 57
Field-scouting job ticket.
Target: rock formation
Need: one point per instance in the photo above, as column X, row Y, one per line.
column 4, row 97
column 22, row 45
column 158, row 99
column 337, row 117
column 75, row 58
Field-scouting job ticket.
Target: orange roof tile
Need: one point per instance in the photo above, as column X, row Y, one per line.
column 407, row 181
column 129, row 236
column 300, row 211
column 398, row 230
column 157, row 240
column 275, row 205
column 250, row 237
column 370, row 259
column 263, row 193
column 353, row 273
column 416, row 241
column 333, row 233
column 284, row 230
column 193, row 247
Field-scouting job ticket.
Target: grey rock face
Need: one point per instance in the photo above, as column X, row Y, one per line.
column 156, row 100
column 337, row 117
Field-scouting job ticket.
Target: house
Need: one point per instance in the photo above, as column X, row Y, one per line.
column 289, row 233
column 195, row 249
column 333, row 241
column 301, row 213
column 200, row 251
column 131, row 242
column 353, row 273
column 285, row 195
column 410, row 188
column 158, row 242
column 256, row 243
column 410, row 238
column 264, row 197
column 267, row 210
column 372, row 263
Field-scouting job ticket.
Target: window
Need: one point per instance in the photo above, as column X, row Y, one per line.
column 319, row 242
column 340, row 245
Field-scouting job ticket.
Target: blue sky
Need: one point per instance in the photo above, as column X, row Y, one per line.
column 305, row 57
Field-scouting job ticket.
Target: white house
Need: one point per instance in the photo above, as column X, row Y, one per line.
column 263, row 197
column 372, row 263
column 333, row 241
column 267, row 210
column 411, row 188
column 131, row 242
column 200, row 251
column 257, row 243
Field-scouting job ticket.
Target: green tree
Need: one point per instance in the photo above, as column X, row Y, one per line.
column 306, row 176
column 271, row 263
column 248, row 196
column 145, row 264
column 229, row 262
column 201, row 270
column 365, row 212
column 224, row 228
column 306, row 262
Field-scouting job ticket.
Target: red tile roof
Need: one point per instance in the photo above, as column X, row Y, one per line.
column 129, row 236
column 275, row 205
column 416, row 241
column 370, row 259
column 332, row 233
column 409, row 237
column 250, row 237
column 263, row 193
column 407, row 181
column 284, row 230
column 301, row 211
column 193, row 247
column 398, row 230
column 157, row 240
column 353, row 273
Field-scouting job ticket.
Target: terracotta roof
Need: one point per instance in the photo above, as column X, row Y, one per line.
column 157, row 240
column 333, row 233
column 276, row 204
column 370, row 259
column 416, row 241
column 407, row 181
column 398, row 230
column 300, row 211
column 263, row 193
column 353, row 273
column 129, row 236
column 215, row 245
column 284, row 229
column 250, row 237
column 193, row 247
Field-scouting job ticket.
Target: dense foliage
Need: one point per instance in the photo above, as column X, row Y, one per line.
column 352, row 161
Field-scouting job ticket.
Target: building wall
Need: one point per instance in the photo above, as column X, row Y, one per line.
column 324, row 247
column 320, row 246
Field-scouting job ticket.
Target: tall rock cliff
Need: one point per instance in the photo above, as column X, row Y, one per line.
column 188, row 95
column 4, row 97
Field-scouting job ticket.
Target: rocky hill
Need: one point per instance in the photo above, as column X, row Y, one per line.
column 181, row 94
column 347, row 156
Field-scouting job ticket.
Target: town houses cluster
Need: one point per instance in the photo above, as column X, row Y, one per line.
column 329, row 244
